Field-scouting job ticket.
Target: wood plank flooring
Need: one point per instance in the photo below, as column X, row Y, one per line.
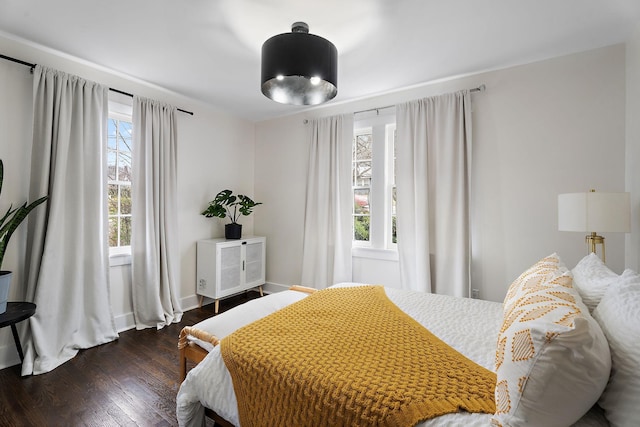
column 130, row 382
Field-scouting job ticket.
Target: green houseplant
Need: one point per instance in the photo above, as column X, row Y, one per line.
column 8, row 224
column 224, row 205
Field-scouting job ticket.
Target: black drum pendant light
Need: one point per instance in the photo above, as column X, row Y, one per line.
column 299, row 68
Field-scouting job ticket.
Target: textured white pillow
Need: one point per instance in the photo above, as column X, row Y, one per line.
column 619, row 316
column 592, row 278
column 552, row 359
column 532, row 279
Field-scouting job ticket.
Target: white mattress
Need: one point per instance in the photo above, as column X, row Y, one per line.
column 468, row 325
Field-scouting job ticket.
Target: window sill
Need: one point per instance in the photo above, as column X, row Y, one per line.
column 119, row 259
column 371, row 253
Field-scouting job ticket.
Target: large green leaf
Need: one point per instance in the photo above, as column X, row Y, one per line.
column 13, row 218
column 225, row 204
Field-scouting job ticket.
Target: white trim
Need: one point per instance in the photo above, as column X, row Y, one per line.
column 122, row 258
column 373, row 253
column 124, row 322
column 119, row 110
column 274, row 287
column 190, row 302
column 9, row 354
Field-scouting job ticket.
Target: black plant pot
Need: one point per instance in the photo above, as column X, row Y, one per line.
column 233, row 231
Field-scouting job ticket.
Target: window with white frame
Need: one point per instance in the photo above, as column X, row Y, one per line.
column 373, row 182
column 119, row 163
column 361, row 182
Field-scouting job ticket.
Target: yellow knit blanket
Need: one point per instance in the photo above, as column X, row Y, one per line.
column 349, row 357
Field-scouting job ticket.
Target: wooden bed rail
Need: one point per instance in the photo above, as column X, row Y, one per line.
column 302, row 289
column 191, row 351
column 196, row 333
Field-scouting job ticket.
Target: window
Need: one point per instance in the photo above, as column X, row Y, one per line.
column 361, row 170
column 373, row 182
column 119, row 159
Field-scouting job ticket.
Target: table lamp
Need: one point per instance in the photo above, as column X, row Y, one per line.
column 594, row 212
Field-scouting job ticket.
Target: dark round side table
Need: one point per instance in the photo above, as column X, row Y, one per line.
column 17, row 312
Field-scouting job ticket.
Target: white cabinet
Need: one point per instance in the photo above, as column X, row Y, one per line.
column 226, row 267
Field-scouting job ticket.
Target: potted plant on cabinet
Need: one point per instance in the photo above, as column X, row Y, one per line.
column 8, row 224
column 225, row 204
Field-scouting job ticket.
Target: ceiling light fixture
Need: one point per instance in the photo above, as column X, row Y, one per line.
column 299, row 68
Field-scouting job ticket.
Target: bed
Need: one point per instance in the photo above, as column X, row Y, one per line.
column 571, row 370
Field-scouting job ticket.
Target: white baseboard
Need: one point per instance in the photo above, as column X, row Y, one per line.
column 124, row 322
column 190, row 302
column 271, row 287
column 9, row 356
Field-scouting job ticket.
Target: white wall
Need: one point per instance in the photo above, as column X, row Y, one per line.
column 215, row 151
column 540, row 129
column 633, row 148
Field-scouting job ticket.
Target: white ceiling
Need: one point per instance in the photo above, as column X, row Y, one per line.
column 210, row 49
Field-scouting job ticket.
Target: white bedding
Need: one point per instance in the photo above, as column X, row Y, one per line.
column 468, row 325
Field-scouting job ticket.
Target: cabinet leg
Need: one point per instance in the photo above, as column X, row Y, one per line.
column 260, row 289
column 200, row 301
column 216, row 306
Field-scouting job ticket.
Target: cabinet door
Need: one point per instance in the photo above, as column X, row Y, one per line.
column 254, row 270
column 230, row 259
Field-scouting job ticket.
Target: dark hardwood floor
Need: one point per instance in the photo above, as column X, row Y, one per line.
column 130, row 382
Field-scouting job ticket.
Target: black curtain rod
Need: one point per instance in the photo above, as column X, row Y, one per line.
column 131, row 95
column 32, row 66
column 8, row 58
column 480, row 88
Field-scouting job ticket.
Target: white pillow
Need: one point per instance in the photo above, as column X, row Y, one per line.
column 532, row 278
column 592, row 278
column 552, row 359
column 619, row 316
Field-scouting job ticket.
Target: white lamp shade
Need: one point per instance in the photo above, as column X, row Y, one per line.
column 594, row 212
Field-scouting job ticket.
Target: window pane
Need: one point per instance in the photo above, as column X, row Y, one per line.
column 125, row 231
column 124, row 166
column 125, row 130
column 125, row 200
column 124, row 143
column 361, row 201
column 393, row 201
column 113, row 231
column 361, row 228
column 394, row 233
column 362, row 174
column 111, row 165
column 363, row 147
column 112, row 125
column 395, row 157
column 112, row 199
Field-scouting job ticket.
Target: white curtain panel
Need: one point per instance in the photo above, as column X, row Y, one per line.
column 67, row 249
column 433, row 144
column 155, row 256
column 326, row 249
